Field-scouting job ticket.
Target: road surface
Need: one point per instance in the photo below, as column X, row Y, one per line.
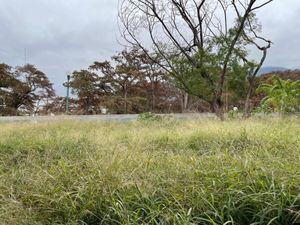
column 121, row 118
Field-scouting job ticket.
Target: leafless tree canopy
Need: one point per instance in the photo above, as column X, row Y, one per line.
column 186, row 28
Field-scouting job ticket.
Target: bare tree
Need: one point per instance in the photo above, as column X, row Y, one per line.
column 207, row 35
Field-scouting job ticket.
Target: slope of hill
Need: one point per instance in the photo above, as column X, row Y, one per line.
column 285, row 75
column 270, row 69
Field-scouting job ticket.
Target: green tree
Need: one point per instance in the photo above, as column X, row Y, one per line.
column 90, row 89
column 8, row 85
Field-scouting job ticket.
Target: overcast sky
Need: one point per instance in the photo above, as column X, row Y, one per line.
column 64, row 35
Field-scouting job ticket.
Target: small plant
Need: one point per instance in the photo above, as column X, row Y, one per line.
column 282, row 96
column 149, row 116
column 263, row 109
column 233, row 114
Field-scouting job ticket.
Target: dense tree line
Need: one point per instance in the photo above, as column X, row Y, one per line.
column 133, row 83
column 129, row 83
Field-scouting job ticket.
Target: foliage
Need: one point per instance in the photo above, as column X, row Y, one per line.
column 263, row 108
column 281, row 95
column 190, row 172
column 129, row 83
column 149, row 117
column 89, row 90
column 8, row 83
column 200, row 48
column 233, row 114
column 25, row 89
column 194, row 81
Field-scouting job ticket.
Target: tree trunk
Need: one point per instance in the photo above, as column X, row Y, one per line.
column 247, row 109
column 153, row 96
column 125, row 98
column 185, row 102
column 217, row 107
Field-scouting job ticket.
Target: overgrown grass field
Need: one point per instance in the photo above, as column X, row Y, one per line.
column 167, row 172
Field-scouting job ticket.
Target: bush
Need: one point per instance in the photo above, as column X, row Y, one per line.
column 149, row 116
column 282, row 96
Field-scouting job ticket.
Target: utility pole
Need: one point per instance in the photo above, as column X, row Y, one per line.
column 68, row 95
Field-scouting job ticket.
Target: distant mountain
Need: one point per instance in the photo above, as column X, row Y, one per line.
column 293, row 75
column 270, row 69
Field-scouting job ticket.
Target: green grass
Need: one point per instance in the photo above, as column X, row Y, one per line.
column 172, row 172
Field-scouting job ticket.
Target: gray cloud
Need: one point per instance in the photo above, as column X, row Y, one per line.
column 59, row 36
column 281, row 25
column 62, row 36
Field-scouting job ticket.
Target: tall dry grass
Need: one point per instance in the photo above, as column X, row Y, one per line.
column 166, row 172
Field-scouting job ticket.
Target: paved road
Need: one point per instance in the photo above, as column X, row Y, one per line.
column 122, row 118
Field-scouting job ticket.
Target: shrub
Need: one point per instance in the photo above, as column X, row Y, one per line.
column 149, row 116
